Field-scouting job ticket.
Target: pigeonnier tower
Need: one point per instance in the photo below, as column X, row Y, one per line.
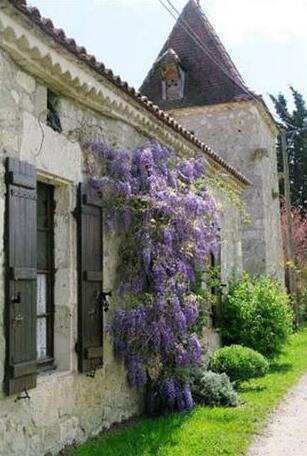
column 195, row 80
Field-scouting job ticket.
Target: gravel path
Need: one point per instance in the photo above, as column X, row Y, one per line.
column 286, row 432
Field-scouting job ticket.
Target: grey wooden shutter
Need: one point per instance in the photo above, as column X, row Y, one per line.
column 90, row 278
column 20, row 244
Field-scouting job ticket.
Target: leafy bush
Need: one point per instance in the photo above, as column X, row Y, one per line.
column 210, row 388
column 239, row 363
column 257, row 314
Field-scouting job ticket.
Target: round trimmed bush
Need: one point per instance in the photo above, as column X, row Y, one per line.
column 211, row 388
column 239, row 363
column 257, row 314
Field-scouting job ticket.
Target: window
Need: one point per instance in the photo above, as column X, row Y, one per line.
column 45, row 274
column 173, row 76
column 174, row 83
column 53, row 118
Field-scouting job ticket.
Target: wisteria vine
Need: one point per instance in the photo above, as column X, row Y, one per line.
column 168, row 225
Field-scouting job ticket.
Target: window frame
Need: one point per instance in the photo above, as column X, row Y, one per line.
column 177, row 81
column 49, row 361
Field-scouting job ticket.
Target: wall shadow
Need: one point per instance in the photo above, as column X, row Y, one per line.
column 277, row 368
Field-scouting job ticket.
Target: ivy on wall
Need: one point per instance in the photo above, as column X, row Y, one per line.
column 219, row 184
column 169, row 226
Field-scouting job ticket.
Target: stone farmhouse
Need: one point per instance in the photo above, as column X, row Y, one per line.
column 61, row 382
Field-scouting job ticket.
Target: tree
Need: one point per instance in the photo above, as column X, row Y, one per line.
column 299, row 237
column 295, row 123
column 299, row 234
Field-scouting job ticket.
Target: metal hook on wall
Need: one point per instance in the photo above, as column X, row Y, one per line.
column 92, row 373
column 23, row 396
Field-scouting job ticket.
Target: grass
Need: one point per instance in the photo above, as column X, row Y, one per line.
column 209, row 431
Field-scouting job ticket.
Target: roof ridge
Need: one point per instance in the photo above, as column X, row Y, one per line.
column 46, row 25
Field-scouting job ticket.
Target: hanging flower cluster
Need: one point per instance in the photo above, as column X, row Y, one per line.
column 168, row 224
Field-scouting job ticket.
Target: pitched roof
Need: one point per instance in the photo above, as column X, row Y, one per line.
column 69, row 44
column 205, row 79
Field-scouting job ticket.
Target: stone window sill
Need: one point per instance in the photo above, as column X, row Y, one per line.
column 51, row 375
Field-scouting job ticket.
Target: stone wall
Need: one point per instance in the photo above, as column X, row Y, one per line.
column 244, row 135
column 66, row 405
column 231, row 262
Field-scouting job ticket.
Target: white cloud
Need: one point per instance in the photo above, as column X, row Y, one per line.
column 278, row 20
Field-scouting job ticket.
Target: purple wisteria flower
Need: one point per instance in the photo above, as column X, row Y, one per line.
column 167, row 237
column 168, row 226
column 181, row 322
column 146, row 259
column 191, row 310
column 194, row 348
column 137, row 375
column 95, row 182
column 170, row 391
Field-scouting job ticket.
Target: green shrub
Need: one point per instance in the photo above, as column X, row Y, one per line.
column 210, row 388
column 239, row 363
column 257, row 314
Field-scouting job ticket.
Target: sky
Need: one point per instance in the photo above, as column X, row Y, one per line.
column 267, row 39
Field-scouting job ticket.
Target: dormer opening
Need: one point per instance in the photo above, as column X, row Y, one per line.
column 173, row 76
column 173, row 82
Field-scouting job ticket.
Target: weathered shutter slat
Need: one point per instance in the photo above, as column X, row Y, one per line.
column 92, row 276
column 22, row 369
column 23, row 273
column 90, row 279
column 20, row 373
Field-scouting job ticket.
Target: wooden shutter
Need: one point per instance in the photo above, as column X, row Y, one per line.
column 90, row 277
column 21, row 265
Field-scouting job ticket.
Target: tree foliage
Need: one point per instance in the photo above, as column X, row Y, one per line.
column 294, row 122
column 299, row 234
column 299, row 239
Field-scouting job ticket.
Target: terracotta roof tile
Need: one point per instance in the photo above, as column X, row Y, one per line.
column 47, row 26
